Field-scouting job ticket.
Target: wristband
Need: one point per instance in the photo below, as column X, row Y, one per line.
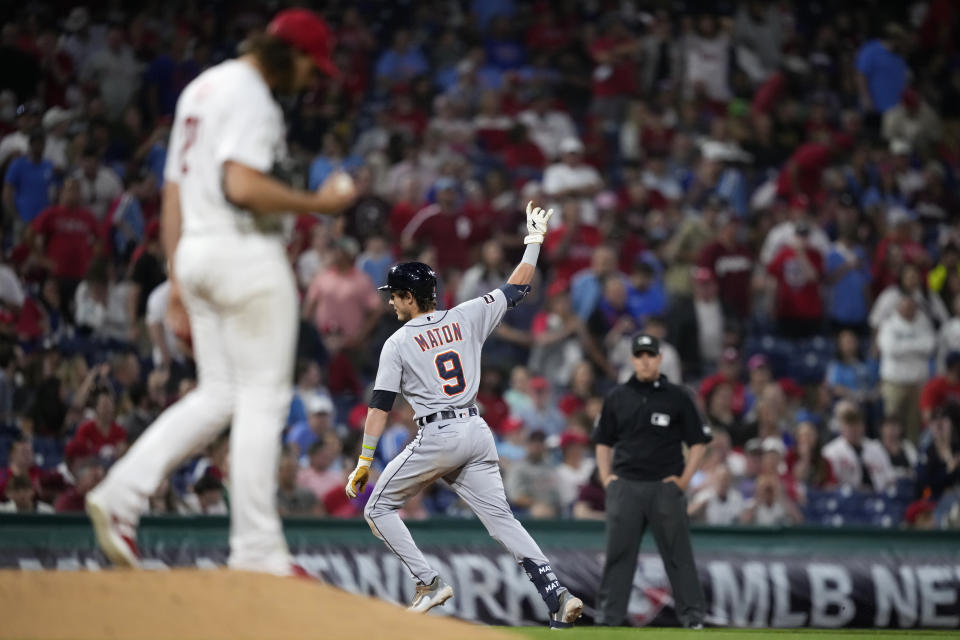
column 531, row 253
column 367, row 449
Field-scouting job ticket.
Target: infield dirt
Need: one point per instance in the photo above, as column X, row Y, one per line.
column 207, row 605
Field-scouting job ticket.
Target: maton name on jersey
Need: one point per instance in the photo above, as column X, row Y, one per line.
column 433, row 338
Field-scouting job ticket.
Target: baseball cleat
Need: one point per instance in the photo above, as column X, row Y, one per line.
column 430, row 595
column 570, row 609
column 117, row 539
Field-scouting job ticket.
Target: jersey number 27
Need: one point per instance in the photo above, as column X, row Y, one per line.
column 190, row 125
column 449, row 368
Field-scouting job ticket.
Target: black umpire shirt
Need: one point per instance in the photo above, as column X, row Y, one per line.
column 645, row 424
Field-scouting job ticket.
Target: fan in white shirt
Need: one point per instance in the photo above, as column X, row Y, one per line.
column 572, row 177
column 769, row 507
column 720, row 504
column 99, row 185
column 576, row 468
column 547, row 127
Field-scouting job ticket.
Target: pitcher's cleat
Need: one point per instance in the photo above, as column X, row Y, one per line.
column 430, row 595
column 117, row 539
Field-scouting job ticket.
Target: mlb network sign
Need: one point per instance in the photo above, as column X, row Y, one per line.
column 863, row 591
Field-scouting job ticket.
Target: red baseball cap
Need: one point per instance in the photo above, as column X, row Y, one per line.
column 309, row 33
column 573, row 437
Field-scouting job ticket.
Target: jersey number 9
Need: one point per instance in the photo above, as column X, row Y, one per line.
column 449, row 368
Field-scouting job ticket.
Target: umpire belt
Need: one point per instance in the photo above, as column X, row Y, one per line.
column 447, row 414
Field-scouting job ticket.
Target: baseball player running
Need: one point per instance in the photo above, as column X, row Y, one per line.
column 232, row 279
column 434, row 361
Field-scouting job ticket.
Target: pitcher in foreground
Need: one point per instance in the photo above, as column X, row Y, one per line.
column 434, row 361
column 230, row 273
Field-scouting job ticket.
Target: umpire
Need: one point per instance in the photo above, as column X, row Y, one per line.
column 640, row 460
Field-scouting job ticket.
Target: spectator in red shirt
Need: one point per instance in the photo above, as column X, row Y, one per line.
column 570, row 246
column 407, row 117
column 69, row 235
column 615, row 55
column 102, row 436
column 798, row 269
column 897, row 249
column 491, row 124
column 444, row 226
column 728, row 372
column 805, row 461
column 803, row 171
column 546, row 34
column 523, row 158
column 731, row 263
column 87, row 474
column 942, row 389
column 490, row 398
column 408, row 201
column 42, row 316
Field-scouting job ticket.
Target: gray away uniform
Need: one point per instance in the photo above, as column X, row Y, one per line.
column 434, row 361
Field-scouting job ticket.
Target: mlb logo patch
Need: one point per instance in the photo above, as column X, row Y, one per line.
column 660, row 420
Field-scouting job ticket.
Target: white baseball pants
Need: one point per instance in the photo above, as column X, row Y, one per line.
column 242, row 300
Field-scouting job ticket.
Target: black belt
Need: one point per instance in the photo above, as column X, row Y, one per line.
column 447, row 414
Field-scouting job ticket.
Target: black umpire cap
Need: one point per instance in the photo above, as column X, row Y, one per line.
column 415, row 277
column 644, row 343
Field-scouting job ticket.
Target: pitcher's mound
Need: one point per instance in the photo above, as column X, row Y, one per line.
column 207, row 605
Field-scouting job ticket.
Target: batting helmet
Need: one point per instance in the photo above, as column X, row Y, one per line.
column 415, row 277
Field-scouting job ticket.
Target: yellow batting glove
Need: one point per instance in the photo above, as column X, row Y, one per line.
column 357, row 481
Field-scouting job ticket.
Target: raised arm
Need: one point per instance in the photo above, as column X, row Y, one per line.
column 537, row 220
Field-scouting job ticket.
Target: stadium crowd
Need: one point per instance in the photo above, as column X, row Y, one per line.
column 768, row 186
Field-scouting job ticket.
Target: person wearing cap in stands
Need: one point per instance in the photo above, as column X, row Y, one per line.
column 16, row 143
column 785, row 233
column 572, row 177
column 55, row 122
column 575, row 470
column 640, row 436
column 319, row 422
column 798, row 270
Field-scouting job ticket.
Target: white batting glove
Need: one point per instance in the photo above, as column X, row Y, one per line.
column 537, row 219
column 357, row 481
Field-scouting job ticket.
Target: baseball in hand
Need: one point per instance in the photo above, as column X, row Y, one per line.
column 343, row 184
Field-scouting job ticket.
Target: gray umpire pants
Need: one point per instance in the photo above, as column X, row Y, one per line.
column 631, row 505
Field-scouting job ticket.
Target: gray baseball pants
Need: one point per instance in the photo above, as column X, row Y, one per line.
column 461, row 452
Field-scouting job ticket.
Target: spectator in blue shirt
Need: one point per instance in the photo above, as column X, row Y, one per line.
column 485, row 10
column 848, row 376
column 586, row 287
column 542, row 415
column 26, row 191
column 882, row 71
column 848, row 278
column 319, row 409
column 401, row 62
column 647, row 296
column 502, row 49
column 332, row 158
